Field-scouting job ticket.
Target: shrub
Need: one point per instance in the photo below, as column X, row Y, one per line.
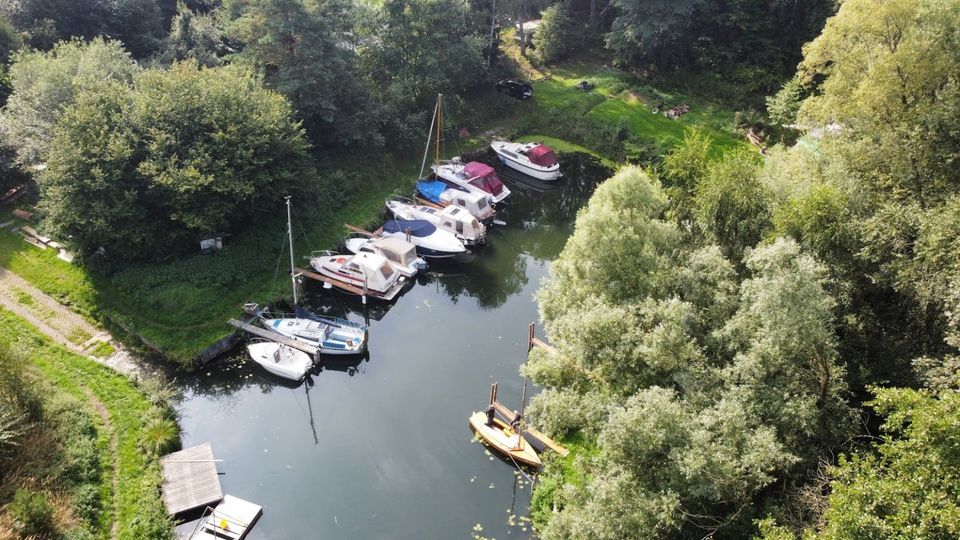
column 552, row 39
column 87, row 503
column 160, row 436
column 32, row 513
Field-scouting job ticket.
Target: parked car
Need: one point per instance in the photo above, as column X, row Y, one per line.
column 515, row 89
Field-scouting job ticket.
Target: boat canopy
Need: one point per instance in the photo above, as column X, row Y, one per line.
column 417, row 227
column 542, row 155
column 431, row 189
column 397, row 250
column 484, row 177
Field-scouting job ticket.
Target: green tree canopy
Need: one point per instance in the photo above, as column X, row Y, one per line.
column 46, row 83
column 144, row 170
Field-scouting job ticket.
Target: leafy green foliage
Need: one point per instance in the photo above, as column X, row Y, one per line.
column 303, row 49
column 553, row 38
column 193, row 36
column 46, row 83
column 412, row 50
column 200, row 150
column 136, row 23
column 32, row 513
column 732, row 204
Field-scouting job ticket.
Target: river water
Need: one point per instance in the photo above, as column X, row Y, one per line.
column 380, row 447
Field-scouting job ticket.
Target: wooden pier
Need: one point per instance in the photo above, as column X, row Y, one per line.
column 190, row 479
column 274, row 336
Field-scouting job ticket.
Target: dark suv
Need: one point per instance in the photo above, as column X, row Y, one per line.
column 516, row 89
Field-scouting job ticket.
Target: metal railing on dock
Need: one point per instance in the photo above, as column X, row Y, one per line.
column 274, row 336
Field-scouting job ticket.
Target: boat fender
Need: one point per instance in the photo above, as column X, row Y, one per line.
column 341, row 260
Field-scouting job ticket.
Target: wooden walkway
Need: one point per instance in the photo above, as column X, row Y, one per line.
column 190, row 479
column 273, row 336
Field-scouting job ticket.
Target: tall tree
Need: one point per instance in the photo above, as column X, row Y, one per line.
column 45, row 83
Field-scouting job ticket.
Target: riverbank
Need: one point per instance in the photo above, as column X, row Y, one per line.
column 179, row 307
column 94, row 453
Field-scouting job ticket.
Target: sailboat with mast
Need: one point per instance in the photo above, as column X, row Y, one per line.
column 448, row 189
column 330, row 335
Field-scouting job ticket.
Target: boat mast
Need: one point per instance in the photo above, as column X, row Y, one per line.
column 426, row 151
column 293, row 275
column 436, row 156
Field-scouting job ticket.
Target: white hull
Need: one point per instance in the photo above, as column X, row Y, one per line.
column 329, row 339
column 448, row 173
column 520, row 163
column 280, row 360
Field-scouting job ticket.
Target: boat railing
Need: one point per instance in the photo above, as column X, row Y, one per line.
column 322, row 253
column 330, row 319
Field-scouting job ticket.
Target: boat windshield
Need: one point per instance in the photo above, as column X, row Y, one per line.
column 482, row 203
column 386, row 271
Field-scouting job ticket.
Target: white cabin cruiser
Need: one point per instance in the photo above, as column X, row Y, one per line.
column 451, row 218
column 439, row 193
column 369, row 272
column 281, row 360
column 430, row 241
column 402, row 255
column 473, row 176
column 533, row 159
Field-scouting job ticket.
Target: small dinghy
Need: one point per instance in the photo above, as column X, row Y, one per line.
column 504, row 439
column 281, row 360
column 402, row 255
column 430, row 241
column 473, row 176
column 367, row 271
column 452, row 219
column 441, row 194
column 533, row 159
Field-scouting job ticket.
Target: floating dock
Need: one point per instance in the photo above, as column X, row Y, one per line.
column 276, row 337
column 190, row 479
column 232, row 519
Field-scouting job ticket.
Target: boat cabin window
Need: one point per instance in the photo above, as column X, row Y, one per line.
column 447, row 224
column 461, row 202
column 454, row 211
column 386, row 271
column 475, row 225
column 391, row 256
column 482, row 204
column 460, row 227
column 429, row 210
column 353, row 267
column 366, row 249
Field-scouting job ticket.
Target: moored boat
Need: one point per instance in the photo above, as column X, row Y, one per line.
column 441, row 194
column 472, row 176
column 451, row 218
column 533, row 159
column 281, row 360
column 369, row 272
column 431, row 242
column 402, row 255
column 329, row 335
column 504, row 439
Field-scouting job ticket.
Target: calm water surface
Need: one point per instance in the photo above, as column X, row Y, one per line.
column 380, row 447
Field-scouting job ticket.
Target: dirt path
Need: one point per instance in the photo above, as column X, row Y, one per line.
column 114, row 451
column 64, row 326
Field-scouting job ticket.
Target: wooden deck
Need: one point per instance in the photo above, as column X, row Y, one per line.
column 190, row 479
column 273, row 336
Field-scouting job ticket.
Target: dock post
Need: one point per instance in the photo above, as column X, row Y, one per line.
column 531, row 330
column 363, row 299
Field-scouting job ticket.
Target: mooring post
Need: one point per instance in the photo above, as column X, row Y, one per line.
column 531, row 330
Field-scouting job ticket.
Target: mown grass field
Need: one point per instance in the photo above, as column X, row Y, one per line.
column 181, row 306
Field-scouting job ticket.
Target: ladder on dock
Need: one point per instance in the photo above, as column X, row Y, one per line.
column 273, row 336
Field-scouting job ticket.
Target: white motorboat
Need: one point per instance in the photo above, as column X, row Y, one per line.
column 402, row 255
column 441, row 194
column 329, row 334
column 473, row 176
column 533, row 159
column 431, row 242
column 368, row 272
column 281, row 360
column 451, row 218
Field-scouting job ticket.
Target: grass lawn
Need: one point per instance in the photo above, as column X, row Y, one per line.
column 181, row 306
column 130, row 477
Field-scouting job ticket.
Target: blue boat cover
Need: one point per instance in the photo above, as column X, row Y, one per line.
column 431, row 189
column 417, row 227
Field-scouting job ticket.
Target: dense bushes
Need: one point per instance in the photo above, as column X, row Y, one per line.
column 144, row 171
column 32, row 513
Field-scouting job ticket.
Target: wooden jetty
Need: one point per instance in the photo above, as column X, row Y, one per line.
column 190, row 479
column 274, row 336
column 534, row 436
column 232, row 519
